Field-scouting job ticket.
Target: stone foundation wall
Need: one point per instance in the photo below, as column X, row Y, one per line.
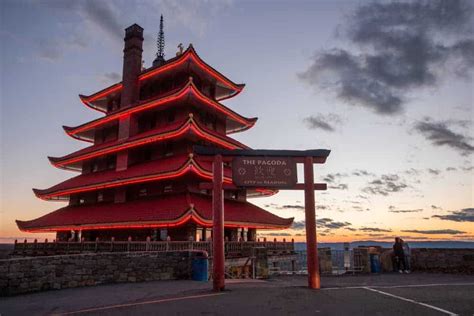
column 443, row 260
column 434, row 260
column 22, row 275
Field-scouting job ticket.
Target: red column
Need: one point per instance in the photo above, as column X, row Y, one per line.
column 218, row 260
column 310, row 218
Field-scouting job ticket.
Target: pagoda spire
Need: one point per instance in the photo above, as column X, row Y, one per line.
column 160, row 45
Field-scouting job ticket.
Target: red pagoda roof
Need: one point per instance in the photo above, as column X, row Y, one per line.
column 167, row 168
column 189, row 57
column 236, row 122
column 165, row 211
column 172, row 131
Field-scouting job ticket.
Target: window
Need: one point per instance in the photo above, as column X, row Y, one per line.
column 100, row 197
column 168, row 189
column 111, row 162
column 142, row 192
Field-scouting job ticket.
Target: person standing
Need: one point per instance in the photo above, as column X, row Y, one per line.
column 407, row 253
column 399, row 254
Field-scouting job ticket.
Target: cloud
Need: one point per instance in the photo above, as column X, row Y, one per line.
column 402, row 46
column 277, row 234
column 95, row 16
column 197, row 16
column 393, row 209
column 325, row 224
column 464, row 215
column 359, row 208
column 435, row 231
column 103, row 15
column 298, row 225
column 324, row 122
column 441, row 135
column 374, row 229
column 413, row 172
column 295, row 207
column 385, row 185
column 340, row 186
column 291, row 206
column 111, row 77
column 50, row 50
column 434, row 171
column 451, row 169
column 332, row 177
column 331, row 224
column 360, row 173
column 434, row 207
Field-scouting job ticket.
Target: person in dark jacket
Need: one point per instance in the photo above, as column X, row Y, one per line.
column 399, row 255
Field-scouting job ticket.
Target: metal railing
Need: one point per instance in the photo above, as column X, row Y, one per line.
column 232, row 248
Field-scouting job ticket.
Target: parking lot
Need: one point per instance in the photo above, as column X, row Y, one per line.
column 384, row 294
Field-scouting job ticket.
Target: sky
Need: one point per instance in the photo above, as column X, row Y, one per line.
column 386, row 86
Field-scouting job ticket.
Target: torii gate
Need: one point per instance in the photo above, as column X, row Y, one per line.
column 277, row 176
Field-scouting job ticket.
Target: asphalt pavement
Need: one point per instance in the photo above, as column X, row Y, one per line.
column 384, row 294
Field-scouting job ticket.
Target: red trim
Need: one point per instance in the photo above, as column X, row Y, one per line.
column 190, row 53
column 89, row 105
column 165, row 211
column 104, row 92
column 137, row 226
column 189, row 125
column 190, row 165
column 189, row 88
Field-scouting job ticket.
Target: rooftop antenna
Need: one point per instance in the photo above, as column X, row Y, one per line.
column 160, row 45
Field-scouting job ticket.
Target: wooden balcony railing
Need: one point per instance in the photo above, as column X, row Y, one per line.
column 232, row 248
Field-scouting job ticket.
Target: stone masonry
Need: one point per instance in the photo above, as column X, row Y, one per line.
column 22, row 275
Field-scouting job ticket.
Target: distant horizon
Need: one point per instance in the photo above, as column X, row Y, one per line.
column 8, row 240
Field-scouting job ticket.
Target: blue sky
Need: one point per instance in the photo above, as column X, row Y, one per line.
column 340, row 75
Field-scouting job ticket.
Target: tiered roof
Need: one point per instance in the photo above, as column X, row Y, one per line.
column 162, row 169
column 189, row 93
column 172, row 131
column 189, row 59
column 165, row 211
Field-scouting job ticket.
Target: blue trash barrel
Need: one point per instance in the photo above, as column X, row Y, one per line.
column 200, row 267
column 375, row 266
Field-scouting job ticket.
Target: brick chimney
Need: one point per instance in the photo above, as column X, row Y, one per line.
column 132, row 64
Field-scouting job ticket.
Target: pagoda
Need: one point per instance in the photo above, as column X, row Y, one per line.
column 140, row 178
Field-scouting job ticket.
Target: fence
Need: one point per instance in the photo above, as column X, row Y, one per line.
column 232, row 248
column 338, row 261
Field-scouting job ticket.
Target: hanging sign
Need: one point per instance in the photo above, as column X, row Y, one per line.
column 277, row 172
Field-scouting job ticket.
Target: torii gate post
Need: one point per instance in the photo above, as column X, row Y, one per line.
column 284, row 181
column 218, row 256
column 314, row 280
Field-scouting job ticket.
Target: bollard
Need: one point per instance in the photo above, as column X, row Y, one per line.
column 112, row 244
